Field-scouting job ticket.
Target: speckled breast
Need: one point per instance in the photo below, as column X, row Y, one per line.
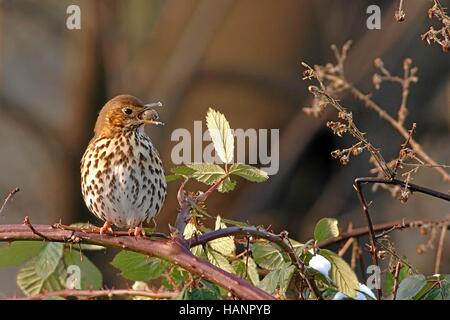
column 122, row 179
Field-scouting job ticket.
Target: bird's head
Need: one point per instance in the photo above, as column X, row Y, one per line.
column 125, row 113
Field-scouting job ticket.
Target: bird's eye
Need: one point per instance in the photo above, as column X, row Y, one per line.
column 127, row 111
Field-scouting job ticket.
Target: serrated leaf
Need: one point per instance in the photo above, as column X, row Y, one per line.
column 410, row 286
column 279, row 278
column 49, row 258
column 325, row 229
column 31, row 283
column 139, row 267
column 221, row 135
column 267, row 256
column 248, row 172
column 207, row 173
column 189, row 231
column 219, row 260
column 90, row 276
column 182, row 171
column 223, row 245
column 18, row 252
column 341, row 274
column 240, row 267
column 226, row 185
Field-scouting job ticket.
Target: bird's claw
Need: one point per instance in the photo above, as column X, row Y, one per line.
column 137, row 231
column 106, row 229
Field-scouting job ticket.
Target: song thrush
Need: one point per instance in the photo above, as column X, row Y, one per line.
column 122, row 177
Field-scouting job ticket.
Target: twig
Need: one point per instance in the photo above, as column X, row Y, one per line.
column 399, row 13
column 440, row 248
column 68, row 293
column 411, row 187
column 392, row 225
column 8, row 198
column 26, row 221
column 396, row 282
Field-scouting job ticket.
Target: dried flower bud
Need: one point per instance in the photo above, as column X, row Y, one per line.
column 407, row 63
column 344, row 160
column 423, row 230
column 378, row 63
column 404, row 196
column 341, row 130
column 376, row 80
column 357, row 151
column 419, row 250
column 336, row 153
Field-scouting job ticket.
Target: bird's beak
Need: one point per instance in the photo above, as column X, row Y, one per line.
column 149, row 115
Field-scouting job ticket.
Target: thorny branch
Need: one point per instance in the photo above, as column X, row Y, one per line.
column 173, row 250
column 107, row 293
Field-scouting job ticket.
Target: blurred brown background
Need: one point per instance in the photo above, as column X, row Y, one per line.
column 243, row 58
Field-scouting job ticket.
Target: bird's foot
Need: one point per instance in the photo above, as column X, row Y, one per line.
column 137, row 231
column 106, row 229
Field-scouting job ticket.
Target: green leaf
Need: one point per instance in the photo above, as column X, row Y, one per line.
column 207, row 173
column 172, row 177
column 31, row 283
column 235, row 222
column 198, row 294
column 223, row 245
column 248, row 172
column 49, row 258
column 267, row 256
column 270, row 282
column 189, row 231
column 388, row 284
column 325, row 229
column 182, row 171
column 18, row 252
column 90, row 276
column 139, row 267
column 279, row 278
column 221, row 135
column 226, row 185
column 220, row 261
column 441, row 292
column 341, row 274
column 410, row 286
column 285, row 277
column 252, row 272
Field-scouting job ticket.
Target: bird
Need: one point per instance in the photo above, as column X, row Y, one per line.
column 122, row 175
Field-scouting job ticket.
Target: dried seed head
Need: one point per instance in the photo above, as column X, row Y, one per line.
column 404, row 196
column 357, row 151
column 344, row 160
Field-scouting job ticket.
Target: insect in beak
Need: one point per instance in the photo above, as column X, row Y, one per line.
column 149, row 115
